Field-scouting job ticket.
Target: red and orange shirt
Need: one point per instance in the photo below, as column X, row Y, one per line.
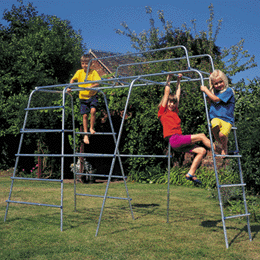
column 170, row 121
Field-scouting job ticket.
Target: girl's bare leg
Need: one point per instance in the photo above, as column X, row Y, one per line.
column 201, row 152
column 203, row 138
column 216, row 132
column 223, row 141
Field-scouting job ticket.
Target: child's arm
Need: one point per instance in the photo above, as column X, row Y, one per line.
column 178, row 87
column 94, row 85
column 71, row 81
column 167, row 91
column 212, row 97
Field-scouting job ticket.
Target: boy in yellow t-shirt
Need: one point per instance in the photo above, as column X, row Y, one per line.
column 88, row 98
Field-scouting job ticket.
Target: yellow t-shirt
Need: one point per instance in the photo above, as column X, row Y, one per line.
column 80, row 76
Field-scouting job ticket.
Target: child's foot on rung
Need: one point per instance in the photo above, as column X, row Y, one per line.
column 86, row 140
column 223, row 152
column 92, row 131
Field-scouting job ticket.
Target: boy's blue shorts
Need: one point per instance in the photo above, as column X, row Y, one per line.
column 87, row 104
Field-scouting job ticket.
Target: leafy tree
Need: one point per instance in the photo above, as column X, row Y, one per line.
column 35, row 50
column 247, row 117
column 202, row 42
column 144, row 133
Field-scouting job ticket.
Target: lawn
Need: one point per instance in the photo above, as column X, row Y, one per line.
column 194, row 230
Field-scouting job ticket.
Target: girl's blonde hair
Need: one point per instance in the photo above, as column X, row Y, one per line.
column 171, row 97
column 218, row 74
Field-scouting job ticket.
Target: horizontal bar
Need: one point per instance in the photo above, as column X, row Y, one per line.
column 60, row 131
column 44, row 131
column 140, row 155
column 35, row 204
column 44, row 155
column 100, row 196
column 122, row 155
column 43, row 108
column 147, row 84
column 234, row 128
column 238, row 216
column 151, row 81
column 35, row 179
column 93, row 155
column 100, row 175
column 116, row 79
column 201, row 71
column 228, row 156
column 67, row 155
column 183, row 77
column 50, row 91
column 97, row 133
column 232, row 185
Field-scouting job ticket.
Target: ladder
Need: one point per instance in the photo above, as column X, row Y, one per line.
column 24, row 131
column 233, row 154
column 62, row 154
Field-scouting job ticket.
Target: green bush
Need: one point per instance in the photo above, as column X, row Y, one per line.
column 206, row 175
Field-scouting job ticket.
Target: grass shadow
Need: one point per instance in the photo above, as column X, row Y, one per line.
column 213, row 223
column 145, row 209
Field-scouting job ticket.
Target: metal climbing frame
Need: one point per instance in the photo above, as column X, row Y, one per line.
column 135, row 81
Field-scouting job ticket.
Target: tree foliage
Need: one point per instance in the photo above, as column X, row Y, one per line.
column 247, row 118
column 35, row 50
column 231, row 60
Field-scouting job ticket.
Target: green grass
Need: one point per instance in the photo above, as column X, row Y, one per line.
column 194, row 231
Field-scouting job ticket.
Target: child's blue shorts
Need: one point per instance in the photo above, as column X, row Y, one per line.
column 87, row 104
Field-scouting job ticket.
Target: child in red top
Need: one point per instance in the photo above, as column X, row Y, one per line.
column 168, row 115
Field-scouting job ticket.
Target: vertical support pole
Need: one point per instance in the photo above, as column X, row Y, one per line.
column 119, row 158
column 39, row 173
column 81, row 159
column 115, row 152
column 168, row 188
column 74, row 147
column 62, row 155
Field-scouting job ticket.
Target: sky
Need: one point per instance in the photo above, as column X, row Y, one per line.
column 98, row 20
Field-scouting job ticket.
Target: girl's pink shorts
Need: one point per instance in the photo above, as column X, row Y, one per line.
column 182, row 143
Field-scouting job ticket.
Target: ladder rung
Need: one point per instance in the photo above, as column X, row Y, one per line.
column 43, row 108
column 100, row 196
column 45, row 155
column 41, row 130
column 237, row 216
column 100, row 175
column 35, row 179
column 67, row 155
column 97, row 133
column 140, row 155
column 232, row 185
column 93, row 155
column 229, row 156
column 32, row 203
